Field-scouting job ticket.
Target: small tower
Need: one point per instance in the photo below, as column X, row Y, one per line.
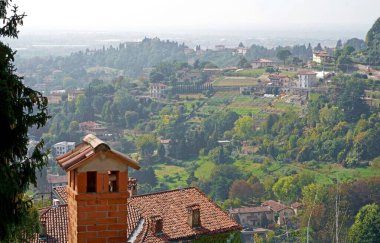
column 97, row 192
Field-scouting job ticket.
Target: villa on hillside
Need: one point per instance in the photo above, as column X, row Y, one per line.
column 100, row 204
column 307, row 79
column 261, row 63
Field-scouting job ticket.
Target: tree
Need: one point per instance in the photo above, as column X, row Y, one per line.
column 373, row 37
column 21, row 108
column 283, row 54
column 339, row 45
column 242, row 190
column 243, row 63
column 367, row 225
column 146, row 145
column 285, row 189
column 244, row 127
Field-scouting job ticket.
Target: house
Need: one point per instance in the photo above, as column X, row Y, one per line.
column 72, row 95
column 241, row 51
column 261, row 63
column 278, row 80
column 97, row 129
column 252, row 217
column 63, row 147
column 56, row 180
column 281, row 211
column 179, row 215
column 100, row 204
column 307, row 79
column 296, row 206
column 54, row 99
column 321, row 57
column 156, row 90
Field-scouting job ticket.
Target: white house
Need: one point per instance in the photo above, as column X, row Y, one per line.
column 307, row 79
column 63, row 147
column 156, row 90
column 261, row 63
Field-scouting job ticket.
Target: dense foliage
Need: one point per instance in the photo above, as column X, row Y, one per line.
column 20, row 109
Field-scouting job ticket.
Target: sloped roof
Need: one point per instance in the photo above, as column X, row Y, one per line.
column 61, row 192
column 89, row 148
column 306, row 72
column 172, row 207
column 56, row 224
column 251, row 210
column 275, row 206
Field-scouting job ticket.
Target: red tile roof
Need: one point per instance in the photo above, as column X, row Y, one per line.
column 275, row 206
column 54, row 179
column 307, row 72
column 61, row 192
column 172, row 207
column 91, row 147
column 251, row 210
column 56, row 224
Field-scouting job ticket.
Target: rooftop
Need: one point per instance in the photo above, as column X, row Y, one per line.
column 307, row 72
column 250, row 210
column 275, row 206
column 91, row 147
column 172, row 207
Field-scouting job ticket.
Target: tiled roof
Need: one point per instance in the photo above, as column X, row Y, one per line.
column 54, row 179
column 61, row 192
column 296, row 205
column 262, row 60
column 275, row 206
column 172, row 206
column 56, row 224
column 90, row 147
column 251, row 210
column 307, row 72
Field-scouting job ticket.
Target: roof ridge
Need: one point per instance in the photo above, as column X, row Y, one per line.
column 167, row 191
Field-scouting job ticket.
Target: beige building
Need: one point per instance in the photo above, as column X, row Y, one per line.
column 261, row 63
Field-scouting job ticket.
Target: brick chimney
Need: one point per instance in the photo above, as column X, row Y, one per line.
column 194, row 215
column 97, row 192
column 132, row 186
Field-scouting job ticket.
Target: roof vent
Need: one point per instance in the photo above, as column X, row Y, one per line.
column 43, row 232
column 194, row 216
column 56, row 203
column 157, row 224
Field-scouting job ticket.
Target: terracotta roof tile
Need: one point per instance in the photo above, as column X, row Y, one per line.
column 61, row 192
column 56, row 224
column 275, row 206
column 251, row 210
column 172, row 207
column 90, row 147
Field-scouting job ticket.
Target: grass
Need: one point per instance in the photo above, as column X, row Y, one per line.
column 173, row 176
column 204, row 170
column 255, row 73
column 235, row 81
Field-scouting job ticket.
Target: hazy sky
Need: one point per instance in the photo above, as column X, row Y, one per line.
column 184, row 15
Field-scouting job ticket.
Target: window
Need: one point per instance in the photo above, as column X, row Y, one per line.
column 113, row 178
column 91, row 181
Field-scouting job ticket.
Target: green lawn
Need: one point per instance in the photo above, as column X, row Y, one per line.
column 172, row 175
column 205, row 168
column 235, row 81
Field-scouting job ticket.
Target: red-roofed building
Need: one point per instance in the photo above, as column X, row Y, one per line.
column 101, row 206
column 252, row 217
column 262, row 63
column 282, row 211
